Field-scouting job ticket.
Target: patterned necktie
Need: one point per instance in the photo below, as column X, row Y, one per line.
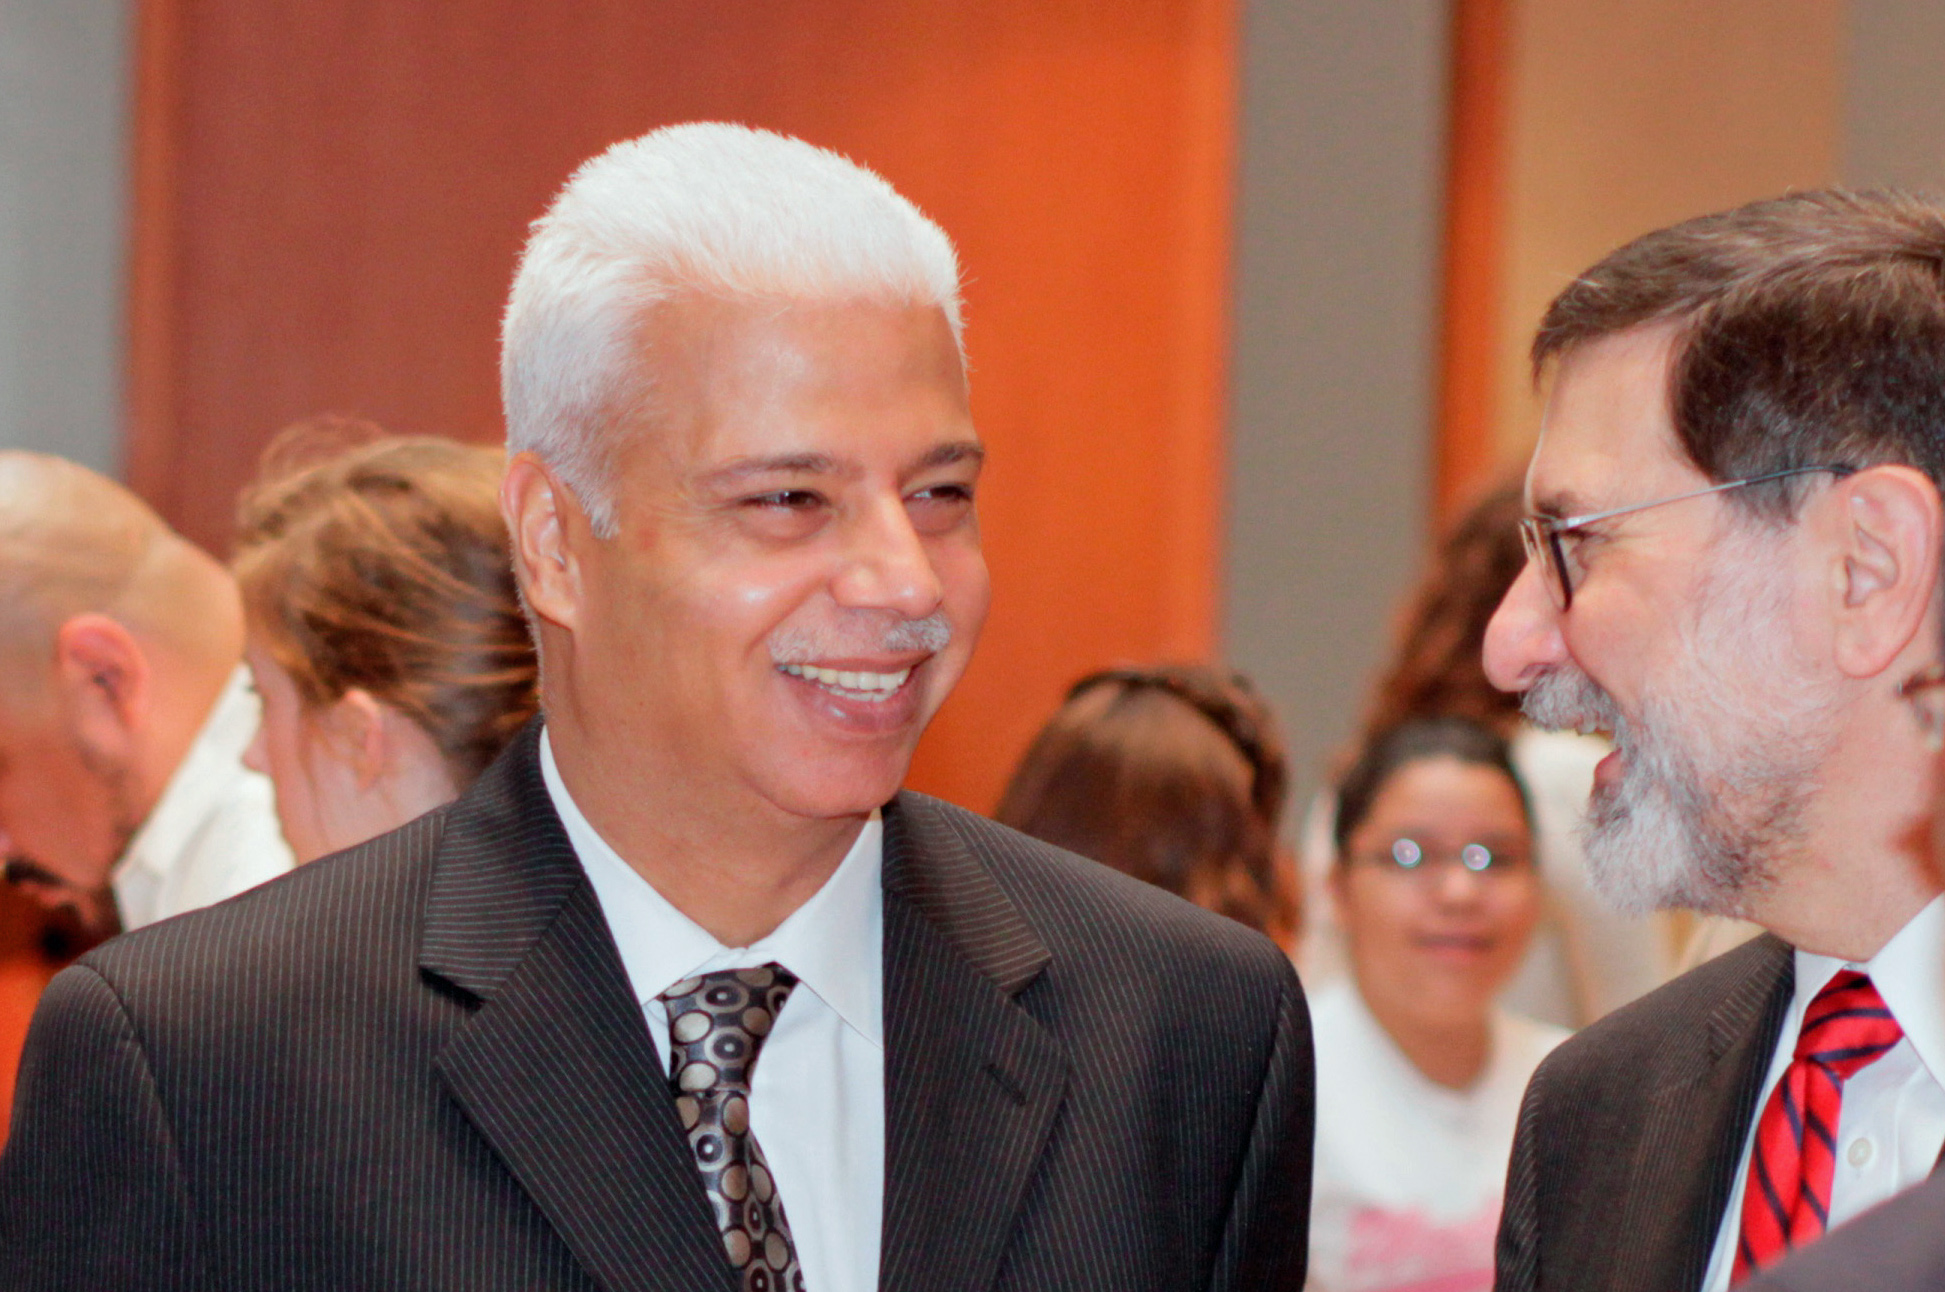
column 1786, row 1201
column 717, row 1023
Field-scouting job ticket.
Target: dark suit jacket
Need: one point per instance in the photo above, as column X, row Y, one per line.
column 1896, row 1247
column 1631, row 1132
column 419, row 1065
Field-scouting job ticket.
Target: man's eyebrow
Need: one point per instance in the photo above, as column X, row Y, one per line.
column 1561, row 505
column 803, row 464
column 945, row 455
column 737, row 470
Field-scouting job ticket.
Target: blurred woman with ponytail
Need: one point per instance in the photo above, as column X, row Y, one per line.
column 385, row 633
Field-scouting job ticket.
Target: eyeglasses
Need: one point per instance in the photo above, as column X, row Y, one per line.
column 1924, row 691
column 1409, row 857
column 1542, row 534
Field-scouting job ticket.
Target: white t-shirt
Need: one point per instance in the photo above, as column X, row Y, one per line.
column 1409, row 1173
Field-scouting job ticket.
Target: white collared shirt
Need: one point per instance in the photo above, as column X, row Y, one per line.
column 1893, row 1120
column 214, row 831
column 817, row 1097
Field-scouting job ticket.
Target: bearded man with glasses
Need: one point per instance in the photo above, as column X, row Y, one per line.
column 1734, row 530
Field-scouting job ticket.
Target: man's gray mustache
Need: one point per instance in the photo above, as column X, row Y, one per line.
column 1565, row 699
column 898, row 637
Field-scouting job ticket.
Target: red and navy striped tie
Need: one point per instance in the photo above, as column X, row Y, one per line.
column 1786, row 1201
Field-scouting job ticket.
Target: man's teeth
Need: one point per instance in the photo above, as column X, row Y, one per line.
column 870, row 686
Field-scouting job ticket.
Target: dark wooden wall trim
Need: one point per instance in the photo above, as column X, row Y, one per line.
column 153, row 243
column 1476, row 171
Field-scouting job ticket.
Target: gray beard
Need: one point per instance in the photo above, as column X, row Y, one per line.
column 1715, row 781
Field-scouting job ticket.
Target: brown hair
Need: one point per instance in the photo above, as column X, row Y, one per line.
column 381, row 563
column 1173, row 775
column 1438, row 668
column 1811, row 332
column 1388, row 751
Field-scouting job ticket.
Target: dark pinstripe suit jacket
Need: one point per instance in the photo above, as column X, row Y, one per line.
column 1631, row 1131
column 1896, row 1247
column 419, row 1065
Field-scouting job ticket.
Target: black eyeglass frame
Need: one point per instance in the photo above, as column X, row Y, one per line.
column 1541, row 534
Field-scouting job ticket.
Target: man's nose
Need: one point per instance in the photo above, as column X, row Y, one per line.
column 887, row 566
column 1523, row 638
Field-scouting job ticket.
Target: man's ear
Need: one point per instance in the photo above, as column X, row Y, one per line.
column 1887, row 523
column 541, row 511
column 105, row 681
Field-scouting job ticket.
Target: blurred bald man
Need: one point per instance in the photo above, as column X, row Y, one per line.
column 124, row 707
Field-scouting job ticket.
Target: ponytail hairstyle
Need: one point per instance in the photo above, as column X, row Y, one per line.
column 380, row 563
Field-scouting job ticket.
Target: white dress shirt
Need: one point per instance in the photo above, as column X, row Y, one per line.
column 214, row 831
column 1408, row 1174
column 1893, row 1119
column 817, row 1097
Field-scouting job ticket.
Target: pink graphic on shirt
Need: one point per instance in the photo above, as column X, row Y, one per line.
column 1402, row 1251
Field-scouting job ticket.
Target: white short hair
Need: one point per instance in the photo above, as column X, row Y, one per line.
column 720, row 210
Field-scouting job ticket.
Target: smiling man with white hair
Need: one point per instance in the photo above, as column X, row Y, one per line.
column 687, row 992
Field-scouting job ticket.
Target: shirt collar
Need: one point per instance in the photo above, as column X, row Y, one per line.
column 201, row 780
column 1908, row 971
column 834, row 942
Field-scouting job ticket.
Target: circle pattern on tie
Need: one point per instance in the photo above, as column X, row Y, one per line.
column 717, row 1024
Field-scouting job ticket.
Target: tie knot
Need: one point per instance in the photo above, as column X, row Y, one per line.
column 1847, row 1025
column 717, row 1023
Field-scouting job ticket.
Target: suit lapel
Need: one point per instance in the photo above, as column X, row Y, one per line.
column 1696, row 1123
column 973, row 1083
column 554, row 1067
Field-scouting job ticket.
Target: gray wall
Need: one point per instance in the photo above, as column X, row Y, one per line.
column 1894, row 114
column 1337, row 273
column 63, row 76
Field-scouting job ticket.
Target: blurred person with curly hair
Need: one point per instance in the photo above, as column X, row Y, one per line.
column 1173, row 775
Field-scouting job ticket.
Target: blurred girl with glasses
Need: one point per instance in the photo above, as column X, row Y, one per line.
column 1419, row 1073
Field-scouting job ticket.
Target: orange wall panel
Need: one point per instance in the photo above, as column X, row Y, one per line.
column 1577, row 127
column 330, row 198
column 25, row 969
column 1475, row 182
column 1624, row 116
